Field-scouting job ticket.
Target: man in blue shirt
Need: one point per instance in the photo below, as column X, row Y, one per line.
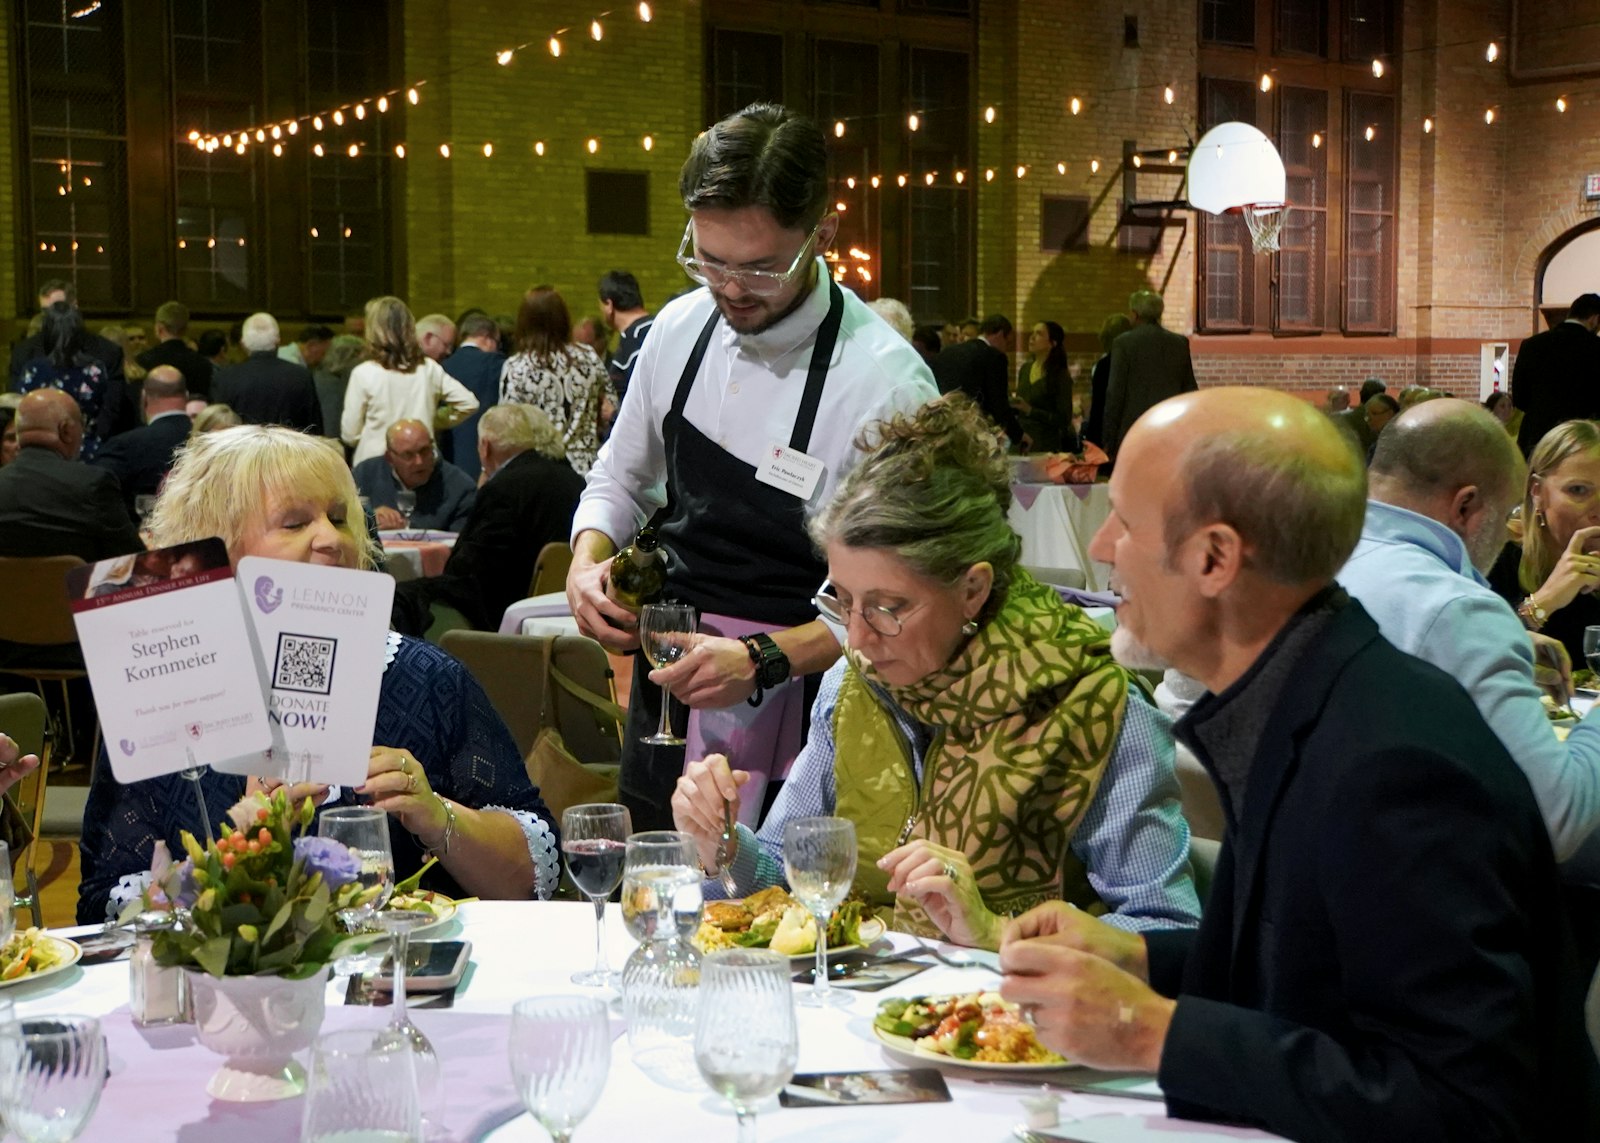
column 444, row 494
column 1443, row 479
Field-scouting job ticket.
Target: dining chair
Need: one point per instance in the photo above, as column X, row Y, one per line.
column 44, row 629
column 550, row 569
column 1059, row 577
column 26, row 719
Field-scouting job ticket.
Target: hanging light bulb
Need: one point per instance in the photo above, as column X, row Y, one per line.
column 399, row 150
column 1316, row 139
column 988, row 115
column 354, row 150
column 347, row 232
column 241, row 242
column 317, row 150
column 1138, row 161
column 1371, row 133
column 488, row 150
column 413, row 96
column 444, row 150
column 1427, row 125
column 193, row 136
column 841, row 207
column 261, row 136
column 838, row 129
column 503, row 57
column 1168, row 95
column 928, row 178
column 961, row 177
column 850, row 182
column 1488, row 115
column 876, row 181
column 1061, row 168
column 277, row 150
column 1075, row 105
column 555, row 47
column 1377, row 69
column 900, row 180
column 912, row 121
column 593, row 144
column 338, row 118
column 644, row 11
column 183, row 244
column 988, row 174
column 596, row 31
column 1493, row 52
column 383, row 104
column 277, row 132
column 1172, row 156
column 1094, row 166
column 314, row 233
column 1266, row 82
column 1561, row 104
column 294, row 126
column 538, row 147
column 1021, row 170
column 211, row 243
column 227, row 140
column 361, row 111
column 239, row 150
column 316, row 123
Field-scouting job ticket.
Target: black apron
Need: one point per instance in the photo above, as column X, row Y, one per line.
column 734, row 545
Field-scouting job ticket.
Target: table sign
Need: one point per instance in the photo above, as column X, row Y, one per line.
column 320, row 634
column 168, row 654
column 1591, row 188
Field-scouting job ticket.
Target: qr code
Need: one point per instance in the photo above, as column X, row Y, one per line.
column 305, row 663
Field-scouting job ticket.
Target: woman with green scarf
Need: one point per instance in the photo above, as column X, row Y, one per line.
column 976, row 730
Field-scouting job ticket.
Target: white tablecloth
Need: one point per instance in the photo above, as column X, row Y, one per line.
column 1056, row 523
column 546, row 614
column 526, row 949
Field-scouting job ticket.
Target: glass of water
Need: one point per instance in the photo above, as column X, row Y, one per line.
column 365, row 831
column 819, row 856
column 661, row 905
column 52, row 1071
column 745, row 1041
column 362, row 1086
column 405, row 502
column 560, row 1058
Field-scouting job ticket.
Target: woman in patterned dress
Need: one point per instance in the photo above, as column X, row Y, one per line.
column 66, row 366
column 552, row 372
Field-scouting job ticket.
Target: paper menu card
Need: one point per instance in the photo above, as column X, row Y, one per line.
column 169, row 659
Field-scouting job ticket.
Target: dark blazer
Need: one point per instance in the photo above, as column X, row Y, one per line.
column 1556, row 378
column 50, row 506
column 1148, row 365
column 480, row 373
column 264, row 389
column 1094, row 424
column 118, row 412
column 982, row 372
column 196, row 369
column 1384, row 954
column 140, row 459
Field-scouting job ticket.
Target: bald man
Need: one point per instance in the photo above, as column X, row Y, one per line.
column 444, row 495
column 1384, row 953
column 141, row 458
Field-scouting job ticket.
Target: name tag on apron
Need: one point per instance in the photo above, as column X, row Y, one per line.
column 790, row 470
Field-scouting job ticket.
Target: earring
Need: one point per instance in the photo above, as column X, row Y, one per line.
column 1538, row 518
column 970, row 627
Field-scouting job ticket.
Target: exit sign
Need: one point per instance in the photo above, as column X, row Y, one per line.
column 1591, row 188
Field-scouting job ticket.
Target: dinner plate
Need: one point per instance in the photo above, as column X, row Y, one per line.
column 446, row 907
column 63, row 947
column 871, row 930
column 907, row 1048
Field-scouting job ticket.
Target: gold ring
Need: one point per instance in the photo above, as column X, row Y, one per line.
column 411, row 783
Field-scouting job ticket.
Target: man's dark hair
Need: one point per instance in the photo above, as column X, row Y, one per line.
column 210, row 343
column 1585, row 307
column 995, row 323
column 315, row 333
column 972, row 321
column 766, row 156
column 51, row 285
column 478, row 324
column 621, row 289
column 927, row 337
column 1370, row 388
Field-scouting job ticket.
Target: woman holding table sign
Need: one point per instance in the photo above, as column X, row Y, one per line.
column 978, row 733
column 443, row 764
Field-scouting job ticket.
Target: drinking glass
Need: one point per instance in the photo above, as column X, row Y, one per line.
column 745, row 1041
column 8, row 896
column 398, row 923
column 594, row 838
column 143, row 506
column 661, row 905
column 560, row 1056
column 405, row 502
column 52, row 1070
column 364, row 830
column 666, row 632
column 819, row 856
column 362, row 1086
column 1591, row 648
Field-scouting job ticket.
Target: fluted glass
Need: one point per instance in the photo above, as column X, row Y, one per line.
column 560, row 1057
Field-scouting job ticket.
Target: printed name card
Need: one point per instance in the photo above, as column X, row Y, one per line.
column 169, row 658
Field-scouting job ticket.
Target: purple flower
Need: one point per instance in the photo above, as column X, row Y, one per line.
column 333, row 859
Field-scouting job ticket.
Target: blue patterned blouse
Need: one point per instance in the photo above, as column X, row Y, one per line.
column 428, row 704
column 85, row 384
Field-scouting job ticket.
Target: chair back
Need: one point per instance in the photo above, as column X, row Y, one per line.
column 582, row 699
column 550, row 569
column 1059, row 577
column 1198, row 793
column 1203, row 854
column 511, row 670
column 41, row 581
column 25, row 718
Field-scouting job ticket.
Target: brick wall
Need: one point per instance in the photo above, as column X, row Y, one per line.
column 9, row 296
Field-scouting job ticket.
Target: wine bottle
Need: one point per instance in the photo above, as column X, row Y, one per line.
column 638, row 573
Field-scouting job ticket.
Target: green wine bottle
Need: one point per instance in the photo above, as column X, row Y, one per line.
column 638, row 573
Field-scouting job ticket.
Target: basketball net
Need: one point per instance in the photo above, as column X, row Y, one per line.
column 1265, row 222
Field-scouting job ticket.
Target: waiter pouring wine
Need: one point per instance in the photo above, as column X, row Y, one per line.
column 746, row 403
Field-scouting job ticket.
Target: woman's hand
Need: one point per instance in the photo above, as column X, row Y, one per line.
column 941, row 881
column 700, row 800
column 295, row 794
column 1576, row 572
column 398, row 785
column 14, row 763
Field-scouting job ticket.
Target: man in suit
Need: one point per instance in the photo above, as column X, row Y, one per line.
column 1384, row 952
column 141, row 458
column 981, row 369
column 1557, row 374
column 264, row 389
column 1148, row 365
column 117, row 413
column 445, row 494
column 477, row 364
column 172, row 322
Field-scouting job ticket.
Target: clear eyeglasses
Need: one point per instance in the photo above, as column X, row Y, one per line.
column 881, row 619
column 761, row 283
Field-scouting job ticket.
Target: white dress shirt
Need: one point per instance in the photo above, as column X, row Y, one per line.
column 746, row 398
column 377, row 397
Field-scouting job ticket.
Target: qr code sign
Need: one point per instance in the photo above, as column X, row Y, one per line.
column 305, row 663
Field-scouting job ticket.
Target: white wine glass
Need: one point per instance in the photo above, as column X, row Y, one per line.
column 363, row 1085
column 52, row 1071
column 364, row 830
column 405, row 503
column 399, row 923
column 819, row 857
column 594, row 838
column 666, row 631
column 8, row 896
column 745, row 1040
column 560, row 1056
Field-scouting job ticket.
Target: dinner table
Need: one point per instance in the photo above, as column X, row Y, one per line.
column 155, row 1088
column 416, row 552
column 1057, row 522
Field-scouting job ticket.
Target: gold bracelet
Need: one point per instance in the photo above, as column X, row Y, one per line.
column 443, row 848
column 1532, row 615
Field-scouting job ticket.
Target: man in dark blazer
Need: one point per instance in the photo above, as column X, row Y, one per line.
column 1557, row 374
column 141, row 458
column 1148, row 365
column 172, row 322
column 1384, row 953
column 981, row 369
column 477, row 364
column 264, row 389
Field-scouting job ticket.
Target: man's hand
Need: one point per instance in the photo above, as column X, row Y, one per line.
column 599, row 616
column 698, row 802
column 14, row 764
column 941, row 881
column 1552, row 666
column 1085, row 1007
column 1058, row 923
column 388, row 518
column 714, row 672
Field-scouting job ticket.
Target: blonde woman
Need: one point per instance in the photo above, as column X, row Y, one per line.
column 397, row 383
column 213, row 417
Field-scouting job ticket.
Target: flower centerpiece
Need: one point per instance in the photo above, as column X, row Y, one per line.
column 258, row 927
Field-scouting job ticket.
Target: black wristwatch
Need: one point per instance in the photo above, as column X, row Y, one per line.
column 772, row 665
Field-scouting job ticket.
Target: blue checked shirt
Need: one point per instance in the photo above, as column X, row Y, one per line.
column 1133, row 839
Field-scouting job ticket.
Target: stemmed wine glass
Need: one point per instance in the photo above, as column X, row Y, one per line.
column 365, row 832
column 594, row 837
column 819, row 856
column 52, row 1071
column 560, row 1056
column 666, row 632
column 362, row 1086
column 405, row 503
column 745, row 1041
column 8, row 896
column 399, row 923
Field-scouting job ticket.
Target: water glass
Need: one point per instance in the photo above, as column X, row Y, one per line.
column 364, row 830
column 405, row 502
column 8, row 896
column 661, row 905
column 819, row 857
column 666, row 632
column 1591, row 648
column 560, row 1056
column 745, row 1041
column 594, row 839
column 661, row 886
column 362, row 1086
column 52, row 1070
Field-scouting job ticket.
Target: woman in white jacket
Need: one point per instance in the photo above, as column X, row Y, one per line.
column 398, row 382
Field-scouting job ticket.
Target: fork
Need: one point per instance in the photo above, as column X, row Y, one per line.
column 727, row 850
column 954, row 959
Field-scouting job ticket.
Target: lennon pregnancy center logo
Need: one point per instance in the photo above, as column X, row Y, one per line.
column 268, row 596
column 127, row 746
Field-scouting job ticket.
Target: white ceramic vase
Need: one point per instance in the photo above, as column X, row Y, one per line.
column 257, row 1023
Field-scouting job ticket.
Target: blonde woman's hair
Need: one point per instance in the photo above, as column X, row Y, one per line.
column 214, row 417
column 392, row 334
column 1555, row 448
column 224, row 480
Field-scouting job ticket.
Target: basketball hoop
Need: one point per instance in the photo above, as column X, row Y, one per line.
column 1235, row 168
column 1265, row 222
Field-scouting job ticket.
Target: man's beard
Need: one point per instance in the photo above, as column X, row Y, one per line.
column 1127, row 649
column 1485, row 545
column 766, row 318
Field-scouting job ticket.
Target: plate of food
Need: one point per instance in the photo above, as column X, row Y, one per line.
column 424, row 901
column 970, row 1030
column 772, row 919
column 33, row 954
